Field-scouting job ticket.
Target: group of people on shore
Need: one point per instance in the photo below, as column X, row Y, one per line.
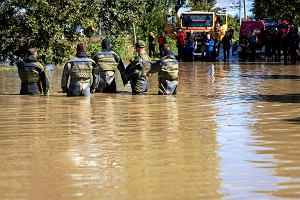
column 188, row 44
column 203, row 46
column 82, row 75
column 276, row 43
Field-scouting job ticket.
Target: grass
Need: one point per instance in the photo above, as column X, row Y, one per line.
column 7, row 68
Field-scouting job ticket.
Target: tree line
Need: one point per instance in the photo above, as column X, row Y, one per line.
column 278, row 9
column 53, row 25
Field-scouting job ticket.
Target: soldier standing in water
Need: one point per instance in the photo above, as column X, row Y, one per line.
column 167, row 69
column 33, row 77
column 137, row 70
column 108, row 62
column 82, row 72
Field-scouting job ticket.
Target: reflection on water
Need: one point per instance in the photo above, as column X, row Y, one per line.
column 232, row 134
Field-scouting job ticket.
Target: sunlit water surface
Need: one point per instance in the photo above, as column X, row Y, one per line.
column 234, row 135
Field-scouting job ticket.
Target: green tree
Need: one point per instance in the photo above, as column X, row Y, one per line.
column 52, row 26
column 233, row 23
column 154, row 17
column 203, row 4
column 42, row 24
column 278, row 9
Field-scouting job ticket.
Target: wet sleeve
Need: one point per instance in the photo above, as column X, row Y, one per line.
column 95, row 58
column 121, row 66
column 131, row 65
column 43, row 80
column 156, row 67
column 96, row 77
column 122, row 69
column 65, row 78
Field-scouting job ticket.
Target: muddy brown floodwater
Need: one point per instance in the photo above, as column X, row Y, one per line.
column 234, row 135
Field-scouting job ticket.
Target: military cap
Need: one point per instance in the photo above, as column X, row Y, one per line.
column 140, row 44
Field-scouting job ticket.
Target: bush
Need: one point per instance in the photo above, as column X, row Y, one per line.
column 124, row 47
column 172, row 43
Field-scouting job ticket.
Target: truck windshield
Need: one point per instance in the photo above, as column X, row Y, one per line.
column 197, row 20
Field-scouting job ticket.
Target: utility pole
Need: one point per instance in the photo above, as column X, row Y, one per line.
column 134, row 33
column 245, row 10
column 100, row 28
column 240, row 12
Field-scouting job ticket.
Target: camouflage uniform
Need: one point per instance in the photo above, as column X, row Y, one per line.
column 108, row 62
column 82, row 72
column 33, row 77
column 137, row 71
column 167, row 68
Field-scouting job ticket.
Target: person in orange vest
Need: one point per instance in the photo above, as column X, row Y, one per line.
column 161, row 43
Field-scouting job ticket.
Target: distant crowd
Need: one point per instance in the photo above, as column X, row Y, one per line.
column 192, row 46
column 275, row 44
column 272, row 44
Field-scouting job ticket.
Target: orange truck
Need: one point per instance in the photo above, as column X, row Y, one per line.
column 198, row 22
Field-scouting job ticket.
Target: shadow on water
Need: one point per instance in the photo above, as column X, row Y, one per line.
column 9, row 94
column 286, row 98
column 294, row 121
column 272, row 76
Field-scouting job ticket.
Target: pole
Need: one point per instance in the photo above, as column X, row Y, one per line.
column 134, row 33
column 240, row 12
column 245, row 10
column 100, row 31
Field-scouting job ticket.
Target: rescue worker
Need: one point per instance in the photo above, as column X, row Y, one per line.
column 269, row 44
column 151, row 41
column 137, row 70
column 33, row 77
column 167, row 68
column 277, row 44
column 190, row 45
column 82, row 72
column 285, row 47
column 180, row 44
column 209, row 47
column 226, row 43
column 293, row 43
column 108, row 62
column 244, row 43
column 252, row 45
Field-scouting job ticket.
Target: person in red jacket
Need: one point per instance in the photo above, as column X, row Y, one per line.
column 180, row 43
column 161, row 43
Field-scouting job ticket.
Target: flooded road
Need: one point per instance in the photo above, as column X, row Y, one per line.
column 234, row 135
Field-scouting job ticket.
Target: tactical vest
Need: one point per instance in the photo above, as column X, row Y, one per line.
column 146, row 63
column 28, row 72
column 106, row 62
column 81, row 70
column 169, row 68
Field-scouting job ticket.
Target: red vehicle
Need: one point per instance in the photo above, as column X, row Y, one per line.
column 284, row 25
column 257, row 26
